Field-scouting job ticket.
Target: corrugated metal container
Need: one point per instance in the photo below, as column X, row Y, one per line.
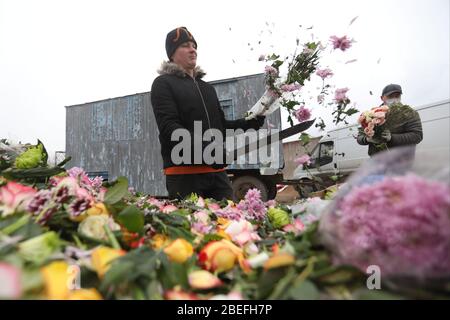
column 119, row 136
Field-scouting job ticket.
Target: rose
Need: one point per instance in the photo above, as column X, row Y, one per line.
column 102, row 257
column 10, row 278
column 15, row 197
column 159, row 241
column 241, row 232
column 279, row 260
column 179, row 250
column 369, row 132
column 56, row 278
column 84, row 294
column 94, row 226
column 220, row 256
column 202, row 279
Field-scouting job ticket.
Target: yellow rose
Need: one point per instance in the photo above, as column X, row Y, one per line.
column 84, row 294
column 221, row 256
column 221, row 232
column 279, row 260
column 56, row 278
column 179, row 250
column 96, row 209
column 223, row 222
column 102, row 257
column 159, row 240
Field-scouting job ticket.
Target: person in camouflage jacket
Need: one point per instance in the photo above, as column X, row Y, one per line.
column 402, row 127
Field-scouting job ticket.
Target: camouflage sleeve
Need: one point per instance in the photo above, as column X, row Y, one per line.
column 412, row 132
column 361, row 138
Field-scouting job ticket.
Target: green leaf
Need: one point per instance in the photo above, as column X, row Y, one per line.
column 44, row 153
column 306, row 290
column 268, row 281
column 132, row 219
column 305, row 138
column 117, row 192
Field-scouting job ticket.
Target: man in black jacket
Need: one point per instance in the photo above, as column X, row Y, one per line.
column 403, row 126
column 182, row 101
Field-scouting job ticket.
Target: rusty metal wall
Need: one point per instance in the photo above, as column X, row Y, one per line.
column 292, row 150
column 119, row 135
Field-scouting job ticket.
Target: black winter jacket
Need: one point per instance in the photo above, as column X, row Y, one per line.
column 178, row 100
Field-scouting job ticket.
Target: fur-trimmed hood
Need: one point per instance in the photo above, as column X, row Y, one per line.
column 168, row 67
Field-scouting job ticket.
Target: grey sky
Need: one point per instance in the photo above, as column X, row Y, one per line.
column 58, row 53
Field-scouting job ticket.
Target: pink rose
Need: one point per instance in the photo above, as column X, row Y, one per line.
column 302, row 114
column 15, row 197
column 324, row 73
column 369, row 132
column 342, row 43
column 305, row 159
column 341, row 95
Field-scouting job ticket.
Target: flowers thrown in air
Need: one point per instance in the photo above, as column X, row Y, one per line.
column 342, row 43
column 271, row 71
column 340, row 95
column 290, row 87
column 303, row 114
column 324, row 73
column 302, row 160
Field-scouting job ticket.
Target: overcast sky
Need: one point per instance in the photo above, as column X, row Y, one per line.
column 59, row 53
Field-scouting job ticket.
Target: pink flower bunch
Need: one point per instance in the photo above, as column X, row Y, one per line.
column 324, row 73
column 252, row 205
column 303, row 114
column 304, row 159
column 401, row 224
column 290, row 87
column 340, row 96
column 373, row 118
column 94, row 185
column 342, row 43
column 230, row 212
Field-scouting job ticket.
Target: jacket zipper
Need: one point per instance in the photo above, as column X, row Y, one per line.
column 204, row 104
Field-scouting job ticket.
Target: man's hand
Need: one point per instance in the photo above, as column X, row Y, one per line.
column 373, row 140
column 386, row 135
column 256, row 123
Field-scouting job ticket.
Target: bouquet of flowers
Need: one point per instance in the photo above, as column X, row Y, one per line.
column 372, row 121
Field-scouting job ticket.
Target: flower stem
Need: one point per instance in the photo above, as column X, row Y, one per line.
column 16, row 225
column 112, row 239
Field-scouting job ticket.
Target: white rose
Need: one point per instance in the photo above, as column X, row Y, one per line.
column 93, row 226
